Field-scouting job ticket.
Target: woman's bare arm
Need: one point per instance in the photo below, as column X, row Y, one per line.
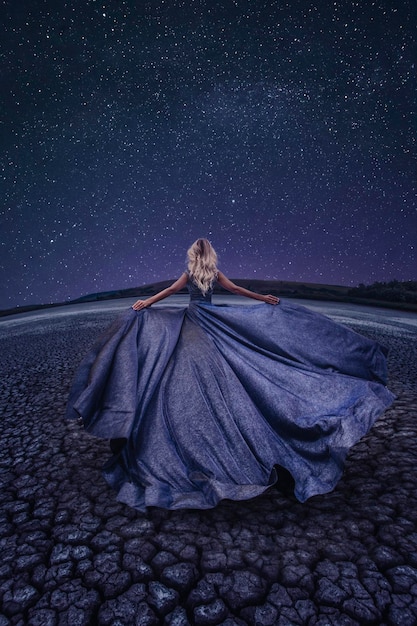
column 179, row 284
column 241, row 291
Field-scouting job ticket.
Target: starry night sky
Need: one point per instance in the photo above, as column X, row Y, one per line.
column 282, row 131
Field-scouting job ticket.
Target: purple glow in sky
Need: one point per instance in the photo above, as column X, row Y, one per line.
column 282, row 131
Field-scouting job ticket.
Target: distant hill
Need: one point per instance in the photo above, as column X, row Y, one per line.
column 394, row 291
column 402, row 295
column 276, row 287
column 394, row 294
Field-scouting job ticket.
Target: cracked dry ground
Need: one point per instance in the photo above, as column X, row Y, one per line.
column 71, row 554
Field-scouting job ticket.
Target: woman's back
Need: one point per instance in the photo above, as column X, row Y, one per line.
column 196, row 295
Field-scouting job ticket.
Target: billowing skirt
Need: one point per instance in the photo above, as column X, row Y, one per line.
column 206, row 401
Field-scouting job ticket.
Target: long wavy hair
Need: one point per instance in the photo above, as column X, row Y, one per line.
column 202, row 264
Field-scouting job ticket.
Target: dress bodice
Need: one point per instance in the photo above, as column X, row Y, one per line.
column 196, row 295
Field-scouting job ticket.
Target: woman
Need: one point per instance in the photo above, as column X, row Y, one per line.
column 202, row 270
column 205, row 401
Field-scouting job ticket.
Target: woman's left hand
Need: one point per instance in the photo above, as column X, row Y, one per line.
column 140, row 304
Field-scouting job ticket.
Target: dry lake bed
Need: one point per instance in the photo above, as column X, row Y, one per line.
column 71, row 554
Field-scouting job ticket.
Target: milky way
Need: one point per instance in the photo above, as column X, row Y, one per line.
column 282, row 131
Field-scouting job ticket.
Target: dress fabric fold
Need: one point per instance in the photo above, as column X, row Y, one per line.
column 207, row 400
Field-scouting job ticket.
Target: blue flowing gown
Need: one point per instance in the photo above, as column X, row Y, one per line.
column 206, row 400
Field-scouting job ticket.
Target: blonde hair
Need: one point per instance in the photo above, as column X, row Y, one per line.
column 202, row 264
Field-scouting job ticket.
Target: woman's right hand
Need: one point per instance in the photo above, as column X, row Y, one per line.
column 271, row 299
